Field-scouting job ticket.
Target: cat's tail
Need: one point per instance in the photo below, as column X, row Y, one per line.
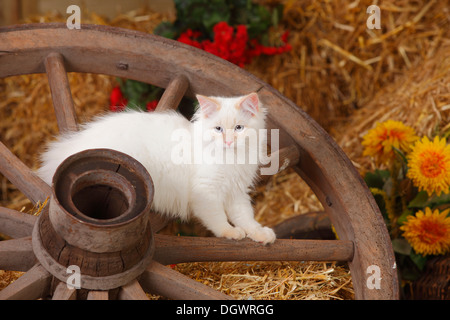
column 55, row 154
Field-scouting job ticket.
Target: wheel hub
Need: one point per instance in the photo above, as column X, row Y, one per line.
column 98, row 220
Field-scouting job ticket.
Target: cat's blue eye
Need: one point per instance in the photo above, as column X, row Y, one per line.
column 238, row 128
column 218, row 129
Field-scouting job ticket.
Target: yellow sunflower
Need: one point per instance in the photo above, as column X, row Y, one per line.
column 429, row 165
column 429, row 232
column 380, row 141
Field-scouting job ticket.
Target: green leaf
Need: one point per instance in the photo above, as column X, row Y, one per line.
column 380, row 200
column 275, row 18
column 402, row 246
column 420, row 200
column 435, row 201
column 404, row 217
column 259, row 21
column 418, row 260
column 400, row 154
column 377, row 179
column 210, row 19
column 407, row 268
column 166, row 29
column 139, row 93
column 200, row 15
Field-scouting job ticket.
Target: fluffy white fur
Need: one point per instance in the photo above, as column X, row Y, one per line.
column 215, row 193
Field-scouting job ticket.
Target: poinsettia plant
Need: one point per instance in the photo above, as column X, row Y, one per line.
column 412, row 188
column 234, row 30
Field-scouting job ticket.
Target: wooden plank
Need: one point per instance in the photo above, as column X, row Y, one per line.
column 61, row 94
column 311, row 225
column 17, row 254
column 62, row 292
column 164, row 281
column 173, row 249
column 33, row 187
column 173, row 94
column 32, row 285
column 98, row 295
column 132, row 291
column 16, row 224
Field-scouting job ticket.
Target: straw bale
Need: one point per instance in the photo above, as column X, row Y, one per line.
column 273, row 280
column 419, row 98
column 337, row 65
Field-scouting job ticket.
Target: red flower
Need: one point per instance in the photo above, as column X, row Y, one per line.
column 188, row 36
column 117, row 100
column 233, row 44
column 151, row 105
column 284, row 36
column 223, row 33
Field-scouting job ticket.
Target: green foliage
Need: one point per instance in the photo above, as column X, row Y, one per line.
column 377, row 179
column 138, row 93
column 422, row 200
column 202, row 15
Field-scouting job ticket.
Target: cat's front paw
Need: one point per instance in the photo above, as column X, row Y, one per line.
column 264, row 235
column 235, row 233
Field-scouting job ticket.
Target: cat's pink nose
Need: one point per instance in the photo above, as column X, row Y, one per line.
column 228, row 143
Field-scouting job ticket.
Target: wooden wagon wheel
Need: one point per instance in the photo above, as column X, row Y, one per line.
column 184, row 71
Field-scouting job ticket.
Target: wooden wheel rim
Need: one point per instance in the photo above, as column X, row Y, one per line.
column 163, row 62
column 90, row 282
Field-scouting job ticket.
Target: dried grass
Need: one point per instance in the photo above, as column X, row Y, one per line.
column 273, row 280
column 8, row 277
column 284, row 196
column 338, row 65
column 420, row 98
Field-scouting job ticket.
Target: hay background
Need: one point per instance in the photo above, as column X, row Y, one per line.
column 345, row 76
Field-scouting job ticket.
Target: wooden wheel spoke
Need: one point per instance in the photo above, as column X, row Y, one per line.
column 16, row 224
column 173, row 94
column 98, row 295
column 16, row 254
column 61, row 94
column 63, row 292
column 32, row 285
column 162, row 280
column 279, row 160
column 22, row 177
column 172, row 249
column 132, row 291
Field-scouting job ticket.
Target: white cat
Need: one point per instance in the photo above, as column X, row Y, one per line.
column 215, row 192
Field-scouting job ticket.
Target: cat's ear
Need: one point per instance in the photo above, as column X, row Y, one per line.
column 208, row 106
column 249, row 104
